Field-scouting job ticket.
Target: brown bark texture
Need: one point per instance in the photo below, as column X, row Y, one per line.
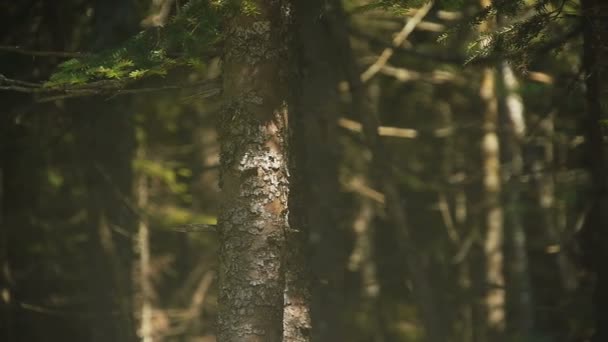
column 253, row 219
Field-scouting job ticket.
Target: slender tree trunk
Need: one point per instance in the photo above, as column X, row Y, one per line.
column 23, row 168
column 6, row 282
column 453, row 164
column 552, row 209
column 146, row 332
column 362, row 257
column 518, row 284
column 253, row 218
column 595, row 229
column 364, row 230
column 493, row 243
column 111, row 222
column 494, row 234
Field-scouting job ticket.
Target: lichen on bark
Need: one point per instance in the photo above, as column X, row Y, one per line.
column 253, row 218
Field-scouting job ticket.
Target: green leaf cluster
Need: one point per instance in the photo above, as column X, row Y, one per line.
column 515, row 39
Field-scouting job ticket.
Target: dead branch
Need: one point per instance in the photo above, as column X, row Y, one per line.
column 399, row 39
column 41, row 53
column 386, row 131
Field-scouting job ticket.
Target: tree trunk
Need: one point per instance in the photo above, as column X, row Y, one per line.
column 318, row 281
column 362, row 257
column 493, row 244
column 108, row 179
column 146, row 287
column 22, row 166
column 595, row 229
column 518, row 283
column 6, row 281
column 552, row 209
column 253, row 217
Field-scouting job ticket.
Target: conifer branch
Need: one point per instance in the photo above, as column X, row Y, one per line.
column 104, row 87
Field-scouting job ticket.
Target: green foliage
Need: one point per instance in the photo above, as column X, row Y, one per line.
column 512, row 41
column 504, row 7
column 450, row 5
column 249, row 7
column 184, row 41
column 167, row 175
column 170, row 216
column 515, row 39
column 55, row 178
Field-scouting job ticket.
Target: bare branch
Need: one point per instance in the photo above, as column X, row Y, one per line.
column 39, row 53
column 359, row 186
column 196, row 228
column 443, row 58
column 435, row 77
column 397, row 41
column 386, row 131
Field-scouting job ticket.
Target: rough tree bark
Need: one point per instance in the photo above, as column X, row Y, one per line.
column 253, row 218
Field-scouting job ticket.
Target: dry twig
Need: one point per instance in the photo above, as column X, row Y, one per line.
column 397, row 41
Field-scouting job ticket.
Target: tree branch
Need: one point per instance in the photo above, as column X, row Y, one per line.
column 196, row 228
column 39, row 53
column 408, row 28
column 443, row 58
column 104, row 87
